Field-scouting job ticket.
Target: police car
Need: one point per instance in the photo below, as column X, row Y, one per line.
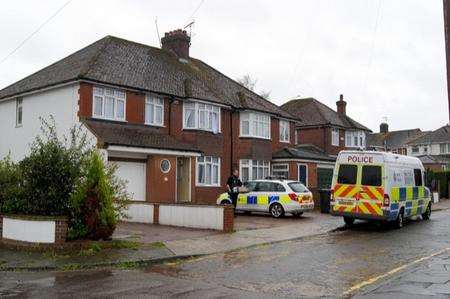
column 379, row 186
column 277, row 197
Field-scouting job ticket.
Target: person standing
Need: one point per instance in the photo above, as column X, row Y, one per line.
column 233, row 185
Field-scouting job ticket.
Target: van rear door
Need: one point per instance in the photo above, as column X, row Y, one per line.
column 371, row 192
column 345, row 190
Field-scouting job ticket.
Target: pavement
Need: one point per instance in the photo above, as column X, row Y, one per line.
column 163, row 243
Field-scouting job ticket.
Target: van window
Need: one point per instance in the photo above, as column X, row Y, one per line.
column 371, row 175
column 347, row 174
column 418, row 177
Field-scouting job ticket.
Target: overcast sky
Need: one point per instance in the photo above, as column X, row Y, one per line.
column 386, row 56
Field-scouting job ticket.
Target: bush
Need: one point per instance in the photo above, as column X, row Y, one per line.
column 10, row 186
column 97, row 202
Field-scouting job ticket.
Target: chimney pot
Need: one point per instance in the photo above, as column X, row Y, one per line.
column 177, row 41
column 384, row 128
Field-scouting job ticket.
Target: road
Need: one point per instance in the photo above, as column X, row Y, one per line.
column 340, row 264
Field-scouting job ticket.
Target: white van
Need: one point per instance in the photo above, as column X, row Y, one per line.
column 379, row 186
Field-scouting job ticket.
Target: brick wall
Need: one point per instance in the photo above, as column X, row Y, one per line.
column 228, row 219
column 135, row 110
column 60, row 231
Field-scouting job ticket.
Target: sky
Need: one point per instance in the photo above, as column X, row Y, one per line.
column 386, row 56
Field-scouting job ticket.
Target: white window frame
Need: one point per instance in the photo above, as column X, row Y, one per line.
column 415, row 150
column 209, row 110
column 19, row 106
column 205, row 162
column 297, row 132
column 446, row 147
column 351, row 136
column 280, row 164
column 285, row 125
column 254, row 119
column 117, row 95
column 248, row 163
column 298, row 173
column 334, row 136
column 157, row 102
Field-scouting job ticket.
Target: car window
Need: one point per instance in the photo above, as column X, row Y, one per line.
column 371, row 175
column 418, row 177
column 269, row 187
column 278, row 187
column 298, row 187
column 250, row 186
column 347, row 174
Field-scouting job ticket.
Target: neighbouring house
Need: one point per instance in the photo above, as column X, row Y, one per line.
column 320, row 135
column 433, row 148
column 175, row 126
column 392, row 141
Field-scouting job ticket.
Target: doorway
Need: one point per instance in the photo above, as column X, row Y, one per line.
column 183, row 179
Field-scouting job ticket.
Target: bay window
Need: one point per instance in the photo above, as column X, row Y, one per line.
column 109, row 103
column 254, row 169
column 208, row 171
column 255, row 125
column 280, row 171
column 154, row 111
column 201, row 116
column 284, row 131
column 355, row 139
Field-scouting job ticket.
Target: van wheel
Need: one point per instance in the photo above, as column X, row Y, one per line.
column 398, row 223
column 427, row 214
column 276, row 210
column 349, row 220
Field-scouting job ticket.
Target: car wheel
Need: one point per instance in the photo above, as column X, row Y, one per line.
column 297, row 214
column 276, row 210
column 225, row 202
column 427, row 214
column 398, row 223
column 349, row 220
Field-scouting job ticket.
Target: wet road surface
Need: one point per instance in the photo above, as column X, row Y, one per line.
column 327, row 265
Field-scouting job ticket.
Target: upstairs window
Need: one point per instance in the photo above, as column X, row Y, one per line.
column 444, row 148
column 109, row 103
column 415, row 149
column 355, row 139
column 201, row 116
column 284, row 131
column 154, row 111
column 255, row 125
column 335, row 137
column 19, row 112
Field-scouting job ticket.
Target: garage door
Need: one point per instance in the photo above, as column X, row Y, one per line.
column 134, row 173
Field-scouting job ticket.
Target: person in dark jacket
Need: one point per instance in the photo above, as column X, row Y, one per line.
column 233, row 185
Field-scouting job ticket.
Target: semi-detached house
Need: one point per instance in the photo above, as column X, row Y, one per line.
column 175, row 126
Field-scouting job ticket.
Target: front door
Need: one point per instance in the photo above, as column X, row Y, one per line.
column 183, row 179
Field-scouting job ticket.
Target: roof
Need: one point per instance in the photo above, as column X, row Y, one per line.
column 132, row 65
column 304, row 151
column 434, row 159
column 393, row 139
column 440, row 135
column 113, row 133
column 314, row 113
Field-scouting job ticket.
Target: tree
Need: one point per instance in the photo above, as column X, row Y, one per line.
column 250, row 84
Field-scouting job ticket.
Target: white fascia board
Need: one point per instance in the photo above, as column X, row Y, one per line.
column 151, row 151
column 303, row 160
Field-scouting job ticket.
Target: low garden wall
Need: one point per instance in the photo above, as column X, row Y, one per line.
column 185, row 215
column 33, row 230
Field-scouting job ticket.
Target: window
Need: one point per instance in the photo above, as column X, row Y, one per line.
column 254, row 169
column 284, row 131
column 201, row 116
column 19, row 112
column 415, row 150
column 255, row 125
column 425, row 149
column 297, row 132
column 208, row 171
column 269, row 187
column 165, row 166
column 371, row 176
column 444, row 148
column 355, row 139
column 409, row 177
column 347, row 174
column 298, row 187
column 109, row 103
column 418, row 177
column 303, row 174
column 251, row 186
column 280, row 171
column 335, row 137
column 154, row 111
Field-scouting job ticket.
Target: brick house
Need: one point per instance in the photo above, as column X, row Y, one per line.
column 175, row 126
column 319, row 137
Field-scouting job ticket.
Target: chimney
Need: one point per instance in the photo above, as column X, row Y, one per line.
column 177, row 41
column 384, row 128
column 341, row 104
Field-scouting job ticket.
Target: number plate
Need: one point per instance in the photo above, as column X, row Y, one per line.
column 346, row 202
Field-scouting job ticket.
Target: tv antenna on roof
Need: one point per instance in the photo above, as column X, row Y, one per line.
column 157, row 31
column 190, row 25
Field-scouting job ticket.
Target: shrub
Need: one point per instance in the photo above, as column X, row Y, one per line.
column 97, row 202
column 10, row 186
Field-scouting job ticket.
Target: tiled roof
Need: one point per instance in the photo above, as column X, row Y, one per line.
column 314, row 113
column 128, row 64
column 304, row 151
column 393, row 139
column 434, row 159
column 113, row 133
column 440, row 135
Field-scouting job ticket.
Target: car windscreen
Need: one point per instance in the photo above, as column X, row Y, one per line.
column 347, row 174
column 371, row 175
column 298, row 187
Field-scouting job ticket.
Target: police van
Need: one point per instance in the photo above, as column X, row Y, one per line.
column 379, row 186
column 277, row 197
